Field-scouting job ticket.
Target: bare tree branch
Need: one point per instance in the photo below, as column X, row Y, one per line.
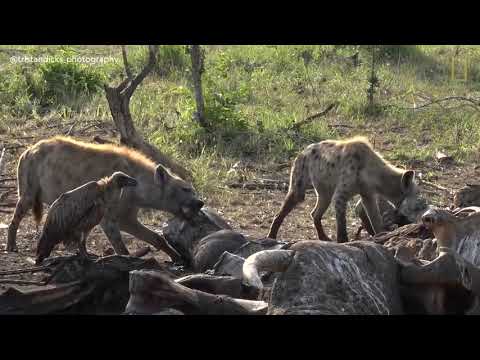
column 152, row 58
column 128, row 70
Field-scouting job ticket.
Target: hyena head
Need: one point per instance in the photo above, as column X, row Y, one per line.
column 409, row 203
column 172, row 194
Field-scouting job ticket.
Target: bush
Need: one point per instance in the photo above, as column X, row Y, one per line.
column 68, row 83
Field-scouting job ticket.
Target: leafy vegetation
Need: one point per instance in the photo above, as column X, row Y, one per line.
column 254, row 94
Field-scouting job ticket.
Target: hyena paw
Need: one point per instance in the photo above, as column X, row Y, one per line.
column 12, row 248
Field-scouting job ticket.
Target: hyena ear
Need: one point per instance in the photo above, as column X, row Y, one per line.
column 407, row 180
column 161, row 175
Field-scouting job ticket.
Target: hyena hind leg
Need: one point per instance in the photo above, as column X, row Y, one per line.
column 23, row 205
column 291, row 200
column 340, row 200
column 323, row 201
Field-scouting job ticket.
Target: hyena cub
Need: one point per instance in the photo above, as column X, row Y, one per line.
column 338, row 170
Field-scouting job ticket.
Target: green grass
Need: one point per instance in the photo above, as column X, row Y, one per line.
column 255, row 93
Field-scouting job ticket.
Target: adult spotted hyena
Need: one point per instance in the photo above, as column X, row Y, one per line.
column 54, row 166
column 338, row 170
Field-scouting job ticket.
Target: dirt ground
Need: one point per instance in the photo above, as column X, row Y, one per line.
column 248, row 211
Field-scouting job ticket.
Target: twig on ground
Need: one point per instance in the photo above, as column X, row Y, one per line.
column 23, row 271
column 309, row 119
column 2, row 161
column 15, row 146
column 436, row 186
column 22, row 282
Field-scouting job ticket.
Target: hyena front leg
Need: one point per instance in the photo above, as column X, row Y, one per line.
column 370, row 205
column 23, row 205
column 323, row 201
column 141, row 232
column 111, row 229
column 291, row 200
column 340, row 199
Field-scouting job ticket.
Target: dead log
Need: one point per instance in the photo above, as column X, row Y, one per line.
column 151, row 292
column 44, row 300
column 119, row 102
column 329, row 278
column 77, row 285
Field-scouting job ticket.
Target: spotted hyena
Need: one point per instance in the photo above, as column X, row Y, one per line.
column 338, row 170
column 54, row 166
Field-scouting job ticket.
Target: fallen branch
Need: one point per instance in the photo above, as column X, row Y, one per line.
column 475, row 103
column 2, row 161
column 101, row 140
column 16, row 146
column 309, row 119
column 23, row 271
column 7, row 179
column 439, row 187
column 9, row 205
column 22, row 282
column 263, row 184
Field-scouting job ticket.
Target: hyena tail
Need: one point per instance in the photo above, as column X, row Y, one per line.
column 299, row 181
column 37, row 208
column 299, row 178
column 28, row 187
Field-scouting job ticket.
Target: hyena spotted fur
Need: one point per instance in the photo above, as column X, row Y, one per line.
column 54, row 166
column 339, row 170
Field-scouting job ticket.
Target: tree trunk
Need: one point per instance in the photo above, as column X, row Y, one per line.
column 197, row 70
column 119, row 102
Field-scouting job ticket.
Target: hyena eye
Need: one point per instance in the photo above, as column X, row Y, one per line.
column 186, row 189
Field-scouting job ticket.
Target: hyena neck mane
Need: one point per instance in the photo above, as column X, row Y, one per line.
column 391, row 182
column 123, row 159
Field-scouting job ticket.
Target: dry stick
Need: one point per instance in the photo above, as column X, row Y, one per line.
column 22, row 282
column 475, row 103
column 309, row 119
column 22, row 271
column 11, row 204
column 7, row 179
column 27, row 137
column 69, row 132
column 100, row 140
column 439, row 187
column 16, row 146
column 5, row 211
column 2, row 161
column 81, row 131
